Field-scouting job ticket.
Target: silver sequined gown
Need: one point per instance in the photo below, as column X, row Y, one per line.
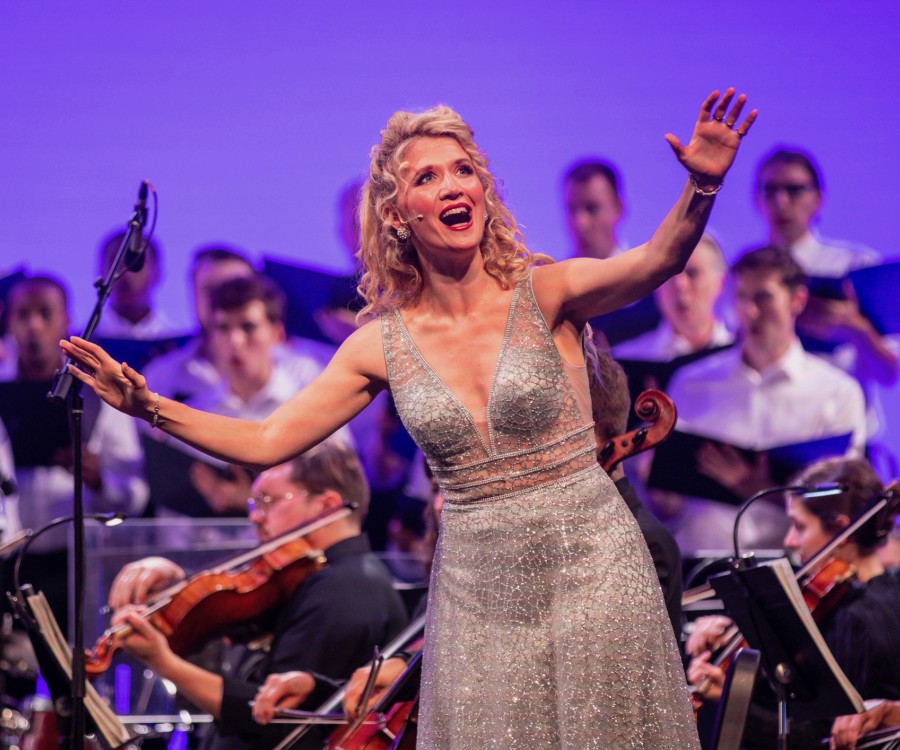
column 546, row 624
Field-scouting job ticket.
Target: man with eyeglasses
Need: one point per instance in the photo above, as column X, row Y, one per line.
column 789, row 196
column 329, row 626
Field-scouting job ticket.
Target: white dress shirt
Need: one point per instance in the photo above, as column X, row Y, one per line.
column 831, row 258
column 796, row 399
column 46, row 492
column 9, row 505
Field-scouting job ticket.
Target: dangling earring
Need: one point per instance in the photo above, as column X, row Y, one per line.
column 403, row 233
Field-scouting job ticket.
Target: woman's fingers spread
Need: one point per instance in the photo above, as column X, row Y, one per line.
column 134, row 377
column 722, row 106
column 736, row 111
column 707, row 106
column 80, row 355
column 745, row 125
column 80, row 375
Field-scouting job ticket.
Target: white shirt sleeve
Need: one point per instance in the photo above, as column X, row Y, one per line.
column 9, row 504
column 115, row 441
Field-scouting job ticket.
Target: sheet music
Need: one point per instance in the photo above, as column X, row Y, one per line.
column 112, row 731
column 785, row 574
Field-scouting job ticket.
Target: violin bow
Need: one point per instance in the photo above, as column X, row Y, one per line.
column 295, row 716
column 412, row 630
column 361, row 713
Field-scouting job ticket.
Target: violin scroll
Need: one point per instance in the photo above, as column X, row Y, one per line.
column 651, row 406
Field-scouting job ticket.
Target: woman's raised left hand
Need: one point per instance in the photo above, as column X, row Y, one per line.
column 716, row 138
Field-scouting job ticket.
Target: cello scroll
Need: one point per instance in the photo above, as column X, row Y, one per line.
column 652, row 406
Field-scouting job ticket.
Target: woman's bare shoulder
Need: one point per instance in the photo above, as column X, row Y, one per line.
column 554, row 284
column 363, row 351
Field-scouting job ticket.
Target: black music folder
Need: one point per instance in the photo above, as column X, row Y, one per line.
column 38, row 428
column 628, row 322
column 8, row 281
column 768, row 607
column 675, row 460
column 876, row 289
column 643, row 374
column 309, row 290
column 167, row 470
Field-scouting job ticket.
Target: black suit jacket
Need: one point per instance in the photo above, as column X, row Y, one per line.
column 663, row 549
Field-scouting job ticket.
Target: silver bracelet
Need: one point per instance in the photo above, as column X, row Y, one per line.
column 154, row 420
column 700, row 191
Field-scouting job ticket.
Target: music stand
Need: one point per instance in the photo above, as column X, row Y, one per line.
column 59, row 682
column 768, row 607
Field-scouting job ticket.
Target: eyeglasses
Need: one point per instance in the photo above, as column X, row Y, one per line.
column 262, row 504
column 792, row 190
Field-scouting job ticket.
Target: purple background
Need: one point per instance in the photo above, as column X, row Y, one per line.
column 249, row 118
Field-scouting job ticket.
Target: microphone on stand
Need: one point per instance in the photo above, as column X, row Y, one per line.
column 136, row 252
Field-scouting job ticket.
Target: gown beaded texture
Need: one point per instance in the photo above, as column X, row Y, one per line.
column 546, row 625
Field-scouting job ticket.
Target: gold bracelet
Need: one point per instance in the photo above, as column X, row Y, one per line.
column 154, row 420
column 700, row 191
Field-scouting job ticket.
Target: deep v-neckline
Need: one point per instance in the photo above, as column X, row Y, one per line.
column 470, row 418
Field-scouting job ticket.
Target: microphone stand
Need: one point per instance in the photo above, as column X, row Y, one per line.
column 67, row 388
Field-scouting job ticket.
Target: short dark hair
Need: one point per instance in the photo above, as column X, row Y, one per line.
column 610, row 399
column 36, row 281
column 862, row 484
column 771, row 258
column 791, row 155
column 236, row 293
column 333, row 465
column 217, row 252
column 112, row 243
column 585, row 169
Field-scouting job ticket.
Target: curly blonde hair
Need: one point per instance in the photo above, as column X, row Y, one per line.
column 392, row 275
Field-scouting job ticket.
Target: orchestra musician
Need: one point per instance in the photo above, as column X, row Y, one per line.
column 862, row 631
column 328, row 627
column 846, row 730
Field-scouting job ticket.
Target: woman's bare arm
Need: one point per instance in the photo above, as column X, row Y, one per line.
column 579, row 289
column 346, row 386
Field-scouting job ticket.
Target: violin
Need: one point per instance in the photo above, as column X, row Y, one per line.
column 396, row 729
column 651, row 406
column 248, row 588
column 412, row 631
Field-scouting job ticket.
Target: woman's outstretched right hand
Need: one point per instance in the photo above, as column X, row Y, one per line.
column 116, row 383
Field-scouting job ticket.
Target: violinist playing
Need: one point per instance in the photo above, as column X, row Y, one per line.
column 863, row 628
column 329, row 626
